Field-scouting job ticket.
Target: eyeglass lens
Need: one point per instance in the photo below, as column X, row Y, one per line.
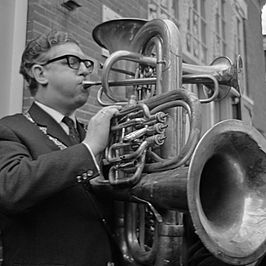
column 74, row 62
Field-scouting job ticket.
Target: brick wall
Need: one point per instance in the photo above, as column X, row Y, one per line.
column 44, row 15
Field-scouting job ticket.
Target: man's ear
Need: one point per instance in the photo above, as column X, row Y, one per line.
column 39, row 74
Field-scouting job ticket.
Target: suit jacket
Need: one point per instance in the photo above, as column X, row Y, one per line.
column 47, row 217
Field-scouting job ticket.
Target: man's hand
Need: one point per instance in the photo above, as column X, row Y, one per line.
column 98, row 129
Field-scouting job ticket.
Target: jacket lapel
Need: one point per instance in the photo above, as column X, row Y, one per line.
column 43, row 119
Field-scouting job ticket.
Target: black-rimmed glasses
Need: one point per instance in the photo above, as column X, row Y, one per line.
column 73, row 62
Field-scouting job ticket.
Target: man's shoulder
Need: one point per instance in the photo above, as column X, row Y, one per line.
column 13, row 119
column 17, row 122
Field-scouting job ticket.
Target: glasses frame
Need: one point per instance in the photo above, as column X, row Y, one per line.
column 90, row 67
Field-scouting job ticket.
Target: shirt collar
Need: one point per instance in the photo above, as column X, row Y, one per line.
column 57, row 116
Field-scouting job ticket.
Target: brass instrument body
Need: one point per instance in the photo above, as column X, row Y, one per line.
column 168, row 192
column 207, row 177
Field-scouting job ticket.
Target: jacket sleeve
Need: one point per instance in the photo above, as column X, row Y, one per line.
column 24, row 181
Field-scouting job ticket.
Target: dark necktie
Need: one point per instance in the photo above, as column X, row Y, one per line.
column 73, row 133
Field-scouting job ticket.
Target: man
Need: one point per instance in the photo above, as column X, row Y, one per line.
column 48, row 216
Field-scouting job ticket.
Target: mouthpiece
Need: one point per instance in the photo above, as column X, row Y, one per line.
column 87, row 83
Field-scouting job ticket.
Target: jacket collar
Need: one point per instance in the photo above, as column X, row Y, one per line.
column 43, row 119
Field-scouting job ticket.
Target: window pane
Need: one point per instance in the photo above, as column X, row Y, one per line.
column 223, row 8
column 189, row 42
column 175, row 8
column 195, row 4
column 220, row 26
column 223, row 29
column 203, row 8
column 195, row 24
column 204, row 54
column 203, row 32
column 196, row 36
column 217, row 22
column 189, row 21
column 196, row 47
column 224, row 48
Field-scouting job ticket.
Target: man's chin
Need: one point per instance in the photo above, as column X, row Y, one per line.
column 81, row 102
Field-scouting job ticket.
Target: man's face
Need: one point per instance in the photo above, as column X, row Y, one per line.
column 64, row 91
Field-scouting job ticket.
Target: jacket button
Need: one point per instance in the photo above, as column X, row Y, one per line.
column 79, row 178
column 89, row 173
column 84, row 176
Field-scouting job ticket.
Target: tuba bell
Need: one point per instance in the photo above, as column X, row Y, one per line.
column 158, row 164
column 226, row 192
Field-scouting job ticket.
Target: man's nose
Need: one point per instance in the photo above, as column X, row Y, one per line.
column 83, row 70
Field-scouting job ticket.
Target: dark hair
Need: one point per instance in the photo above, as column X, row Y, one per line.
column 38, row 47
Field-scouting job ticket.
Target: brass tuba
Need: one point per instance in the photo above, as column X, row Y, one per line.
column 160, row 168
